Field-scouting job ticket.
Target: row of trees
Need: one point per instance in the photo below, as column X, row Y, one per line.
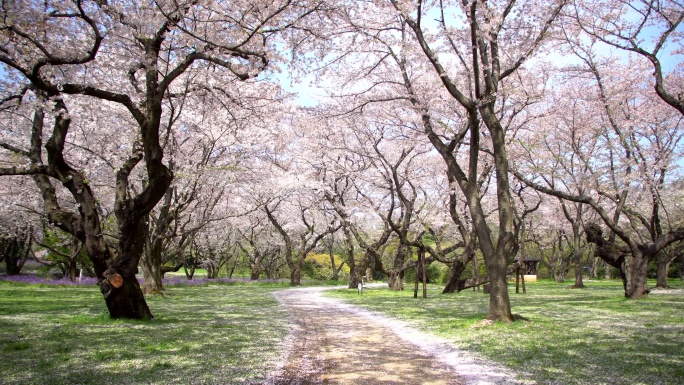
column 457, row 129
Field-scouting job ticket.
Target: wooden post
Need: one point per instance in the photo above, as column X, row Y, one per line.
column 415, row 287
column 422, row 262
column 476, row 272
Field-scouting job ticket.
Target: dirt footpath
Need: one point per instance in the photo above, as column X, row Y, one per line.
column 336, row 343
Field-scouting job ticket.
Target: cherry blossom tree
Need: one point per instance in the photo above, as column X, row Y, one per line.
column 615, row 145
column 648, row 28
column 449, row 63
column 134, row 56
column 260, row 244
column 301, row 227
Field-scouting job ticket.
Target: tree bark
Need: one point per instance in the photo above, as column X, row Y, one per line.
column 638, row 286
column 577, row 260
column 455, row 272
column 663, row 260
column 499, row 301
column 351, row 261
column 335, row 269
column 395, row 280
column 631, row 262
column 127, row 300
column 15, row 250
column 152, row 268
column 507, row 242
column 578, row 277
column 256, row 271
column 296, row 276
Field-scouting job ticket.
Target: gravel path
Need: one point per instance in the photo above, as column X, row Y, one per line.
column 336, row 343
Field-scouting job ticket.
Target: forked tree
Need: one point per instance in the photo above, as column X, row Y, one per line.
column 133, row 56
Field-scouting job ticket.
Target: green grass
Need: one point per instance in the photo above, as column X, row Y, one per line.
column 227, row 334
column 588, row 336
column 233, row 334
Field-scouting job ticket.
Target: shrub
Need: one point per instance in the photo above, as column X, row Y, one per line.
column 437, row 272
column 318, row 267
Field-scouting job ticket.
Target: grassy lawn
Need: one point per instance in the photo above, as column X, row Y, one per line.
column 589, row 336
column 213, row 334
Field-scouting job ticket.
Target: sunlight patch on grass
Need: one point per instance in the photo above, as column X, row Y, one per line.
column 208, row 334
column 589, row 336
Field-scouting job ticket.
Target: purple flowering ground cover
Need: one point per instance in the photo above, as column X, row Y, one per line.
column 32, row 279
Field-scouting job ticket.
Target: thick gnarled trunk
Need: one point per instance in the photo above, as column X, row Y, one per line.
column 255, row 270
column 637, row 287
column 14, row 249
column 455, row 272
column 119, row 284
column 395, row 280
column 125, row 299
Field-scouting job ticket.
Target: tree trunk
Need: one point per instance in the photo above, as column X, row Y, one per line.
column 596, row 262
column 189, row 267
column 353, row 279
column 213, row 269
column 421, row 256
column 296, row 276
column 118, row 283
column 232, row 269
column 664, row 259
column 559, row 275
column 662, row 267
column 507, row 241
column 14, row 251
column 335, row 270
column 577, row 257
column 152, row 269
column 72, row 261
column 395, row 280
column 415, row 286
column 396, row 273
column 578, row 277
column 499, row 301
column 638, row 269
column 351, row 262
column 127, row 300
column 455, row 272
column 255, row 265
